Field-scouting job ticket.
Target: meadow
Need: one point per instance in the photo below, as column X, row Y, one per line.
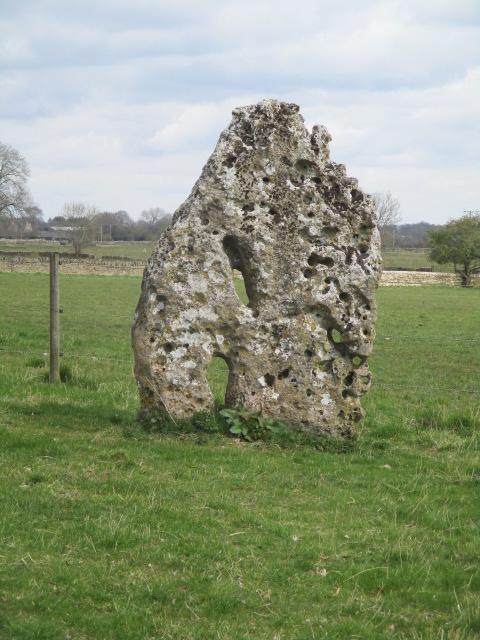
column 114, row 533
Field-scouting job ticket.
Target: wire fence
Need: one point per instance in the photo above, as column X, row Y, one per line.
column 17, row 312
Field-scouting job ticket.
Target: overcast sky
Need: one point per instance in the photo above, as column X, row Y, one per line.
column 120, row 102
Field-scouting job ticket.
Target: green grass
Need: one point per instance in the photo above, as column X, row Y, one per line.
column 108, row 532
column 412, row 259
column 138, row 250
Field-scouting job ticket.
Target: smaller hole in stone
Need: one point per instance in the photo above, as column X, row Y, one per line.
column 266, row 179
column 168, row 347
column 253, row 393
column 345, row 297
column 309, row 392
column 308, row 353
column 308, row 273
column 215, row 232
column 315, row 259
column 284, row 374
column 269, row 379
column 152, row 339
column 310, row 214
column 349, row 379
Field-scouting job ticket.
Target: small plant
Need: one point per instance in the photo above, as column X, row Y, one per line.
column 250, row 425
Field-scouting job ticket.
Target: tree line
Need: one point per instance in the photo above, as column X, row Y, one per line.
column 456, row 242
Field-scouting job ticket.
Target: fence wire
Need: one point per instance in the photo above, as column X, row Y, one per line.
column 13, row 313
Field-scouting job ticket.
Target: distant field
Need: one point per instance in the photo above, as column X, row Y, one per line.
column 111, row 533
column 128, row 250
column 412, row 259
column 401, row 258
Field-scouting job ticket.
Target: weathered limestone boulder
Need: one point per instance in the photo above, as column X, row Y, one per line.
column 270, row 204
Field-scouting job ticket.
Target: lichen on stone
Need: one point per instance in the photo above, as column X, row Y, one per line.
column 271, row 205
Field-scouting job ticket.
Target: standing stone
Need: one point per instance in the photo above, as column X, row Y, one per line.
column 270, row 204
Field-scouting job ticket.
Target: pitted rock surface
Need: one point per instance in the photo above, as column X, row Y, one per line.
column 270, row 204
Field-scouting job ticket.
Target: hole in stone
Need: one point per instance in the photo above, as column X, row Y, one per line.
column 309, row 392
column 308, row 353
column 215, row 232
column 363, row 247
column 152, row 339
column 349, row 379
column 308, row 273
column 269, row 379
column 218, row 373
column 315, row 259
column 266, row 179
column 345, row 297
column 239, row 260
column 230, row 160
column 330, row 231
column 168, row 347
column 305, row 166
column 284, row 374
column 248, row 207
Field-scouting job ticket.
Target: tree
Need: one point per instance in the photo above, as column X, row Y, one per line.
column 459, row 242
column 153, row 215
column 113, row 225
column 80, row 216
column 387, row 208
column 156, row 220
column 14, row 172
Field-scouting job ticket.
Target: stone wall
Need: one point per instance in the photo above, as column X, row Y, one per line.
column 26, row 262
column 419, row 278
column 34, row 263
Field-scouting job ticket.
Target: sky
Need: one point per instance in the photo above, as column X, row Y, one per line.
column 119, row 103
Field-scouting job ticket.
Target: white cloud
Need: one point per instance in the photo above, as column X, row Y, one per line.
column 121, row 102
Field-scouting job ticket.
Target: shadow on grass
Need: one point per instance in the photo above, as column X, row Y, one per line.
column 201, row 428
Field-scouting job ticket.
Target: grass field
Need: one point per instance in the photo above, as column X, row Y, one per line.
column 111, row 533
column 412, row 259
column 401, row 258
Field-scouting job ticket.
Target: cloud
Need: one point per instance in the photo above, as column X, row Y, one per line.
column 123, row 101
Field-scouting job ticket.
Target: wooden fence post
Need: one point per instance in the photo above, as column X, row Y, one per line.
column 54, row 319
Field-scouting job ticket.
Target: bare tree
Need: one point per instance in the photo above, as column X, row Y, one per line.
column 14, row 172
column 155, row 220
column 80, row 216
column 153, row 216
column 387, row 208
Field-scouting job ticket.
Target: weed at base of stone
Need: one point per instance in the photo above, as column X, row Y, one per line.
column 251, row 427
